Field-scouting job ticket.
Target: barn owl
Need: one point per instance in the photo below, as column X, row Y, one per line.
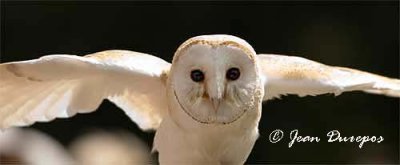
column 205, row 105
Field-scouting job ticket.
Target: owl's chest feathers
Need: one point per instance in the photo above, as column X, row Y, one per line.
column 223, row 143
column 183, row 139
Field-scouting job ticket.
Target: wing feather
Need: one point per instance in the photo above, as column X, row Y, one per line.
column 295, row 75
column 38, row 105
column 62, row 85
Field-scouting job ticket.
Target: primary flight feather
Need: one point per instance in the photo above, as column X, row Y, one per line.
column 206, row 105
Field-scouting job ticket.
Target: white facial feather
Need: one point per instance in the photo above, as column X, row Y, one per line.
column 233, row 97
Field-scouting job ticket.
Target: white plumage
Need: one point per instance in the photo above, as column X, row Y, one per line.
column 206, row 105
column 63, row 85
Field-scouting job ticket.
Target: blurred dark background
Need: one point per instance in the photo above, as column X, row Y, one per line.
column 362, row 35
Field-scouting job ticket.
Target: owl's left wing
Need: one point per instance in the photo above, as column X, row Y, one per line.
column 57, row 86
column 295, row 75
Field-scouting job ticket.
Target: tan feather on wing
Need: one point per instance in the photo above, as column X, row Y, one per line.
column 63, row 85
column 295, row 75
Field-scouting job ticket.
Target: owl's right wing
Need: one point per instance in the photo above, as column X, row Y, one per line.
column 299, row 76
column 62, row 85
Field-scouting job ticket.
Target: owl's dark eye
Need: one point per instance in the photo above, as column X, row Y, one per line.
column 233, row 74
column 197, row 75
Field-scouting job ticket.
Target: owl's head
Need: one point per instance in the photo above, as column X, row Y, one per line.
column 215, row 78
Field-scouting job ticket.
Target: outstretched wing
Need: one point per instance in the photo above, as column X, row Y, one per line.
column 63, row 85
column 295, row 75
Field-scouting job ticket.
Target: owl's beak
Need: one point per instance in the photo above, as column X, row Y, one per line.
column 215, row 103
column 215, row 90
